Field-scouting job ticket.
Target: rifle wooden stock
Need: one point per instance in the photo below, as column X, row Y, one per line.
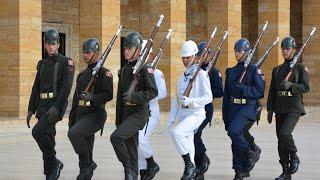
column 295, row 59
column 214, row 59
column 159, row 53
column 251, row 54
column 201, row 60
column 266, row 54
column 143, row 57
column 101, row 61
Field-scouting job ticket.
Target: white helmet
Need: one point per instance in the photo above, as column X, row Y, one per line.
column 189, row 48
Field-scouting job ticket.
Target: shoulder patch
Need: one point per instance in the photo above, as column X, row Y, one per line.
column 306, row 69
column 108, row 74
column 150, row 70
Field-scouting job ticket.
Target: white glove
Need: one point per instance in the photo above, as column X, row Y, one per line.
column 167, row 130
column 185, row 101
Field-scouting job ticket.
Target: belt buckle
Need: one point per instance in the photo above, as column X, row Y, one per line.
column 43, row 96
column 130, row 104
column 50, row 95
column 84, row 103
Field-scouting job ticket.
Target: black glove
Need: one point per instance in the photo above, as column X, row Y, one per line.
column 270, row 114
column 53, row 114
column 286, row 85
column 29, row 115
column 128, row 97
column 86, row 96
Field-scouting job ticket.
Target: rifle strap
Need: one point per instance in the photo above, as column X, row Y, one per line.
column 55, row 79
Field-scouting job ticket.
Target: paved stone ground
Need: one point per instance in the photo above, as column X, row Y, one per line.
column 20, row 158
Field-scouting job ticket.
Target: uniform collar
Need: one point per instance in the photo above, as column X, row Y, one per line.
column 92, row 65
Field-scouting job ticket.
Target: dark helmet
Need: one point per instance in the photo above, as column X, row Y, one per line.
column 51, row 36
column 288, row 42
column 91, row 45
column 201, row 47
column 132, row 39
column 242, row 44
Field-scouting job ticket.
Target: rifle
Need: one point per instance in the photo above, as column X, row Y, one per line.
column 158, row 55
column 143, row 57
column 202, row 55
column 296, row 57
column 214, row 58
column 100, row 62
column 266, row 54
column 251, row 53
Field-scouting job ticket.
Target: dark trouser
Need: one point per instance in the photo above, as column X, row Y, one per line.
column 285, row 124
column 125, row 140
column 200, row 148
column 247, row 134
column 81, row 134
column 239, row 143
column 44, row 134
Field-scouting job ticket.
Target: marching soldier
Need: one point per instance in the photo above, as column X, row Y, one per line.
column 201, row 159
column 285, row 101
column 147, row 166
column 258, row 108
column 49, row 100
column 190, row 110
column 132, row 110
column 88, row 113
column 238, row 108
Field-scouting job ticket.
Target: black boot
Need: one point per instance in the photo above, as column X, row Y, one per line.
column 143, row 173
column 199, row 175
column 249, row 165
column 205, row 162
column 87, row 166
column 128, row 174
column 189, row 169
column 294, row 163
column 55, row 173
column 245, row 174
column 239, row 175
column 285, row 173
column 257, row 151
column 152, row 169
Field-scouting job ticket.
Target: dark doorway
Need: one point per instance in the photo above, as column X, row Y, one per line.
column 62, row 48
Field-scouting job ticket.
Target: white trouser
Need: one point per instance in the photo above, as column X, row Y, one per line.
column 183, row 133
column 144, row 148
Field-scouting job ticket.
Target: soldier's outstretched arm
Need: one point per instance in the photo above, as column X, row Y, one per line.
column 216, row 84
column 107, row 89
column 35, row 93
column 67, row 79
column 302, row 86
column 161, row 85
column 272, row 93
column 150, row 90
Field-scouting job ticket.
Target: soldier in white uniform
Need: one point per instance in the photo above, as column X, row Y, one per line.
column 147, row 166
column 189, row 110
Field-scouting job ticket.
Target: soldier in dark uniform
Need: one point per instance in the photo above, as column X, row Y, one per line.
column 285, row 101
column 239, row 107
column 49, row 100
column 88, row 113
column 258, row 108
column 201, row 159
column 132, row 110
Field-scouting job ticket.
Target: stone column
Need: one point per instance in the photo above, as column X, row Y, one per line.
column 20, row 51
